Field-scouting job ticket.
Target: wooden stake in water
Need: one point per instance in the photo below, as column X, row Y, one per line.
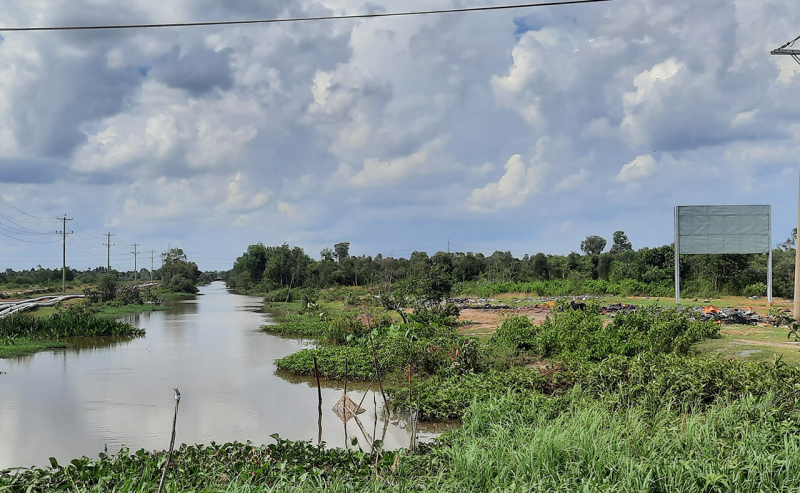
column 319, row 395
column 319, row 388
column 172, row 440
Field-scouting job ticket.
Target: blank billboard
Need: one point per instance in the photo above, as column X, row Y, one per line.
column 723, row 228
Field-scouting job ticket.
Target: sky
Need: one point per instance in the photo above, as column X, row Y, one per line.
column 522, row 130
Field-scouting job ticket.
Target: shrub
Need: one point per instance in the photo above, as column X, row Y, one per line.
column 758, row 289
column 581, row 334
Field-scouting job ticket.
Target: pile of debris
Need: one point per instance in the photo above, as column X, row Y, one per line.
column 729, row 315
column 479, row 304
column 733, row 316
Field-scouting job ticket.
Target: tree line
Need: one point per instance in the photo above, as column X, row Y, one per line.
column 648, row 270
column 177, row 274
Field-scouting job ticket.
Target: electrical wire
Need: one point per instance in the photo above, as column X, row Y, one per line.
column 301, row 19
column 27, row 241
column 39, row 218
column 80, row 226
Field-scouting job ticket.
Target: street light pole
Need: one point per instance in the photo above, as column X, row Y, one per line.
column 788, row 49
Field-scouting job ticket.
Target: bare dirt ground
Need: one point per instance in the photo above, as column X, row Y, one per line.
column 484, row 322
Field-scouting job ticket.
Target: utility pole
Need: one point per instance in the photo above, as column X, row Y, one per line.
column 788, row 49
column 448, row 246
column 108, row 259
column 152, row 253
column 64, row 234
column 135, row 265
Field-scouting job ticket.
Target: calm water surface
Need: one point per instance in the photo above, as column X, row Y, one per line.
column 115, row 391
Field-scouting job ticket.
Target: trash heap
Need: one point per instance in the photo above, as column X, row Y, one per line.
column 726, row 316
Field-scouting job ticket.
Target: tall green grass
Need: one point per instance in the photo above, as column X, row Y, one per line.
column 62, row 325
column 564, row 287
column 575, row 443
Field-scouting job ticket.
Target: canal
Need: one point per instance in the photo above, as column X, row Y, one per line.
column 111, row 392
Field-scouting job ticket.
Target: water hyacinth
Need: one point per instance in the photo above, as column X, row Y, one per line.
column 63, row 325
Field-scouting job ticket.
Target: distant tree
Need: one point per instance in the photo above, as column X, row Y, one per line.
column 327, row 254
column 179, row 274
column 341, row 250
column 593, row 245
column 621, row 243
column 107, row 287
column 790, row 241
column 540, row 270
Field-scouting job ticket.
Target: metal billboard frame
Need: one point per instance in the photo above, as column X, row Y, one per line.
column 678, row 247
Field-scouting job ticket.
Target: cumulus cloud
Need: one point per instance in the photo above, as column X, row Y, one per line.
column 640, row 167
column 575, row 181
column 511, row 190
column 377, row 173
column 163, row 134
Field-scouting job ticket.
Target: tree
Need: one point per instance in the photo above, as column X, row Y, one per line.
column 621, row 243
column 593, row 245
column 179, row 274
column 790, row 241
column 540, row 270
column 326, row 255
column 341, row 250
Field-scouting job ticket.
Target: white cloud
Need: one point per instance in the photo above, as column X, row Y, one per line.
column 574, row 181
column 287, row 208
column 377, row 173
column 641, row 167
column 511, row 190
column 321, row 87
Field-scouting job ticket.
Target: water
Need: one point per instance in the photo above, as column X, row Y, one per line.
column 118, row 391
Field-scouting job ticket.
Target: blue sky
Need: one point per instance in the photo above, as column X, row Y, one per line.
column 513, row 130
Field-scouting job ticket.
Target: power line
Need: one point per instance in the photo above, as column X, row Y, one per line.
column 301, row 19
column 38, row 218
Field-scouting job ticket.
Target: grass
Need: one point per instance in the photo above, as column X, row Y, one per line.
column 25, row 347
column 118, row 311
column 751, row 343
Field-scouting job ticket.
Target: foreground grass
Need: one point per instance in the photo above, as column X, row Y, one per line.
column 509, row 442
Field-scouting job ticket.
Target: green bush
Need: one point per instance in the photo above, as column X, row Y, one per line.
column 758, row 289
column 449, row 397
column 582, row 334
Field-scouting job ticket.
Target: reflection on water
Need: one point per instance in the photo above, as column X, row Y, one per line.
column 118, row 391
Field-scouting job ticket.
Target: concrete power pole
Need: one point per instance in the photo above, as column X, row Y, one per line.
column 64, row 234
column 135, row 252
column 108, row 253
column 789, row 49
column 152, row 253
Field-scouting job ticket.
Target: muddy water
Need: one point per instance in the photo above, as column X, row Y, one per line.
column 117, row 392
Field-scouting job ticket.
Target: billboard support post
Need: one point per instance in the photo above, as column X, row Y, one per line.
column 769, row 264
column 677, row 260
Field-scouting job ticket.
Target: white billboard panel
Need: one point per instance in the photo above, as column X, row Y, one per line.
column 723, row 229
